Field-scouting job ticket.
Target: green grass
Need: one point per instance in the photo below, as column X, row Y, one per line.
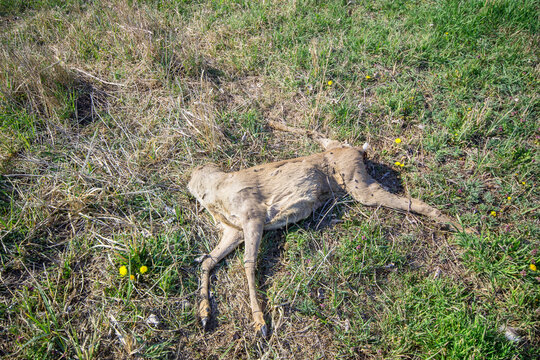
column 105, row 107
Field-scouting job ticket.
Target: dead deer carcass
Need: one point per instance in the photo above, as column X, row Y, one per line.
column 270, row 196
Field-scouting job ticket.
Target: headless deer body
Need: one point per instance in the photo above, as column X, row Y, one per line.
column 270, row 196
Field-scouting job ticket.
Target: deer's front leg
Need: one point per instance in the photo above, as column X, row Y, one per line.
column 229, row 241
column 252, row 236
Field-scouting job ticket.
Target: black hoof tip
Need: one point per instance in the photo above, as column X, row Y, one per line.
column 264, row 331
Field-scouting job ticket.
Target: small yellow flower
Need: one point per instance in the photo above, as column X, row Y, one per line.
column 131, row 277
column 368, row 77
column 532, row 267
column 398, row 141
column 123, row 271
column 523, row 182
column 397, row 163
column 143, row 269
column 493, row 213
column 509, row 198
column 330, row 82
column 401, row 164
column 469, row 109
column 446, row 33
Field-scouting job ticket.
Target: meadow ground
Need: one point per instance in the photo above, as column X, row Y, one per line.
column 106, row 106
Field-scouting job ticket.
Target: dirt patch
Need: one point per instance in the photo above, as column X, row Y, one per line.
column 88, row 99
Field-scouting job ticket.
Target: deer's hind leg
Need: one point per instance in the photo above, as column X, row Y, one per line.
column 230, row 240
column 367, row 191
column 375, row 195
column 253, row 230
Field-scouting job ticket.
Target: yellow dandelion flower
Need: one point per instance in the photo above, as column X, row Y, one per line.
column 131, row 277
column 532, row 267
column 397, row 163
column 523, row 182
column 368, row 77
column 493, row 213
column 402, row 165
column 398, row 141
column 509, row 198
column 143, row 269
column 123, row 271
column 330, row 82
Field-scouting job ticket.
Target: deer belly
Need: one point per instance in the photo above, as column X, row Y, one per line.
column 293, row 204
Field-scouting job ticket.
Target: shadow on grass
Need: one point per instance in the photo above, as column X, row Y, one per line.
column 386, row 176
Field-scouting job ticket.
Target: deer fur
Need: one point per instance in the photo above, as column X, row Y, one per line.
column 270, row 196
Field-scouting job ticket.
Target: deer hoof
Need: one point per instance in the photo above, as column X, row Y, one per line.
column 264, row 331
column 260, row 324
column 204, row 312
column 204, row 322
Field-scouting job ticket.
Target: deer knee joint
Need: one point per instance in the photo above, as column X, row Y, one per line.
column 209, row 263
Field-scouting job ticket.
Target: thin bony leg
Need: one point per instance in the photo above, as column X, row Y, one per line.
column 252, row 235
column 229, row 241
column 417, row 206
column 375, row 195
column 368, row 192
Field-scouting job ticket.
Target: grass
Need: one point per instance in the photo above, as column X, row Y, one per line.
column 105, row 107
